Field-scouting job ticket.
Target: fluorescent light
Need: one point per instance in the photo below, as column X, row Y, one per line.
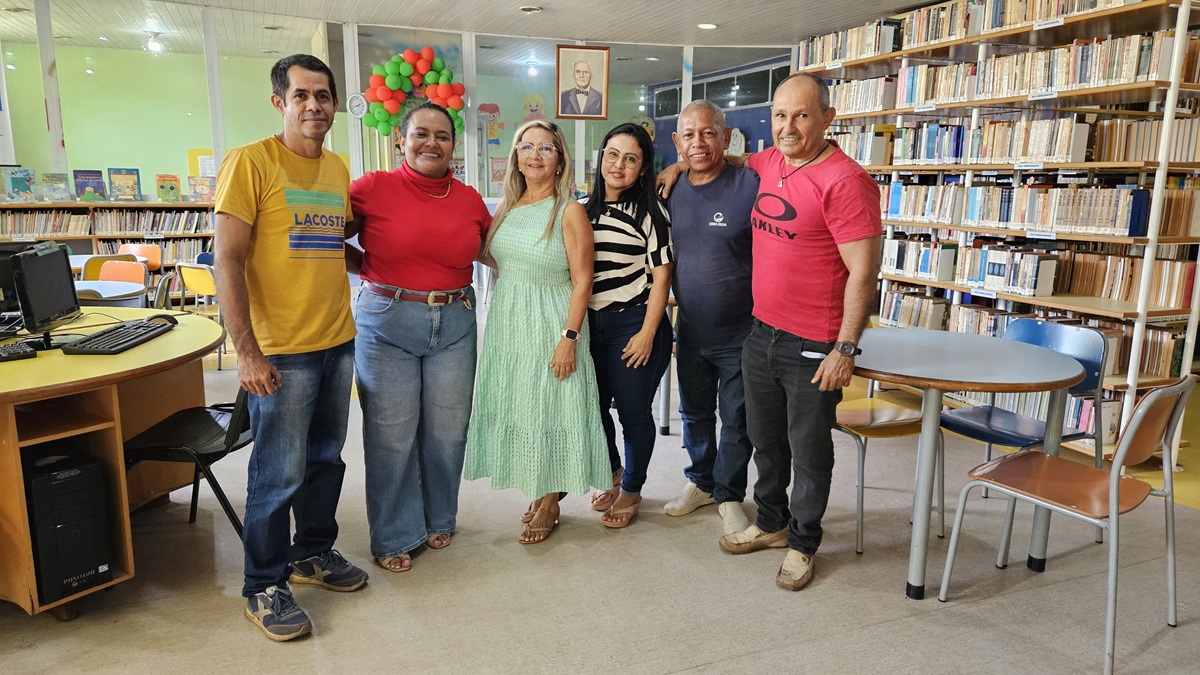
column 88, row 71
column 154, row 45
column 11, row 67
column 641, row 108
column 532, row 71
column 706, row 26
column 651, row 58
column 103, row 39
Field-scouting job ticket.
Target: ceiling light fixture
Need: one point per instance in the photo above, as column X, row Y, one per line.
column 530, row 9
column 272, row 27
column 706, row 26
column 88, row 71
column 16, row 10
column 620, row 58
column 651, row 58
column 533, row 71
column 11, row 67
column 487, row 46
column 153, row 44
column 103, row 39
column 269, row 51
column 364, row 34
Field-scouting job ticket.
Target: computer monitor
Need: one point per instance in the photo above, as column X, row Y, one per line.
column 8, row 290
column 46, row 291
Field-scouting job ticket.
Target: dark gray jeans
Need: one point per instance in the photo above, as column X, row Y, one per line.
column 790, row 423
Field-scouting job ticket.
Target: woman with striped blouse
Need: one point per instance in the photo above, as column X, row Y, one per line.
column 630, row 335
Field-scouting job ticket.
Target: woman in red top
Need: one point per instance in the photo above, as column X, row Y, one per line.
column 420, row 230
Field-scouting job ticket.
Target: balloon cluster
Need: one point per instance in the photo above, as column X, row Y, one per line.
column 411, row 74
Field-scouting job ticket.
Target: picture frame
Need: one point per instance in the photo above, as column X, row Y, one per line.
column 568, row 102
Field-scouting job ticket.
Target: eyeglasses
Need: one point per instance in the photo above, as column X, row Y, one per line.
column 631, row 161
column 542, row 149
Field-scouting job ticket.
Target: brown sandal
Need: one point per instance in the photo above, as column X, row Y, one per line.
column 536, row 534
column 529, row 512
column 629, row 512
column 386, row 563
column 603, row 499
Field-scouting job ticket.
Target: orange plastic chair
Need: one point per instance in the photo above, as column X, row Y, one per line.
column 91, row 268
column 151, row 252
column 122, row 270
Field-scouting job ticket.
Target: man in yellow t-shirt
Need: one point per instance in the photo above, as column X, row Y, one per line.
column 282, row 205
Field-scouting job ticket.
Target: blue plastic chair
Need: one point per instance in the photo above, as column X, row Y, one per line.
column 205, row 258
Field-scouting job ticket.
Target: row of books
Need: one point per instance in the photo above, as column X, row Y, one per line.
column 21, row 185
column 22, row 224
column 135, row 222
column 1123, row 211
column 1126, row 140
column 1162, row 347
column 997, row 141
column 924, row 84
column 940, row 142
column 940, row 204
column 173, row 250
column 1117, row 277
column 914, row 309
column 1007, row 269
column 917, row 259
column 945, row 21
column 869, row 145
column 860, row 96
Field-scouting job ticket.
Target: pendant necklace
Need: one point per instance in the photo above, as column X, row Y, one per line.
column 449, row 186
column 814, row 158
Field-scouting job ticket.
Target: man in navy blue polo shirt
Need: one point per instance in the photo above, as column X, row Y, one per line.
column 710, row 221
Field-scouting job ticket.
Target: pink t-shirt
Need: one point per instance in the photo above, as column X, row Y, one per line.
column 798, row 278
column 413, row 241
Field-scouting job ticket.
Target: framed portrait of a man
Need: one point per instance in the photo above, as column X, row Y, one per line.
column 582, row 76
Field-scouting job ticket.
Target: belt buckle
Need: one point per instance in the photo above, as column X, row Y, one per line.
column 432, row 303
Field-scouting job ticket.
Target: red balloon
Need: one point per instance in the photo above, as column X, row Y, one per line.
column 423, row 66
column 377, row 81
column 459, row 88
column 410, row 56
column 455, row 102
column 370, row 95
column 417, row 79
column 438, row 101
column 398, row 96
column 392, row 105
column 427, row 53
column 383, row 93
column 442, row 90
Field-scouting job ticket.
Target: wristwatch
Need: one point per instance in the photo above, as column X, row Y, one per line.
column 572, row 335
column 847, row 349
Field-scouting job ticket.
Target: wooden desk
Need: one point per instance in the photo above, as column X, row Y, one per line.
column 99, row 402
column 939, row 361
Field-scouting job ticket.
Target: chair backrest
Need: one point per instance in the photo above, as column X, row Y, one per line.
column 151, row 252
column 205, row 258
column 1086, row 345
column 162, row 292
column 238, row 433
column 91, row 268
column 1154, row 422
column 196, row 279
column 123, row 270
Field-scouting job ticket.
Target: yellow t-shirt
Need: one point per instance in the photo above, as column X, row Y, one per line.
column 295, row 269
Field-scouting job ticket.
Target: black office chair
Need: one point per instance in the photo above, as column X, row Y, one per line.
column 200, row 436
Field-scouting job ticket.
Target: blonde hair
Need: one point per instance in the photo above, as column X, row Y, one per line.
column 514, row 180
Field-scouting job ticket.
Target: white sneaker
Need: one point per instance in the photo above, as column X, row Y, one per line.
column 687, row 501
column 733, row 518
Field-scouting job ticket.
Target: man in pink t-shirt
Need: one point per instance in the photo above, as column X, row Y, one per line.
column 816, row 250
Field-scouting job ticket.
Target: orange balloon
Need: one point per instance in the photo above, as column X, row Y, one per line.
column 423, row 66
column 417, row 79
column 445, row 91
column 410, row 56
column 370, row 95
column 427, row 53
column 377, row 81
column 459, row 88
column 438, row 101
column 398, row 96
column 383, row 93
column 392, row 105
column 455, row 102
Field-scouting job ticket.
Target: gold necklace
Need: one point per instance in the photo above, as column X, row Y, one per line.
column 449, row 186
column 814, row 158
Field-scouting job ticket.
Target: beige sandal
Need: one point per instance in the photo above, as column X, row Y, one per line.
column 529, row 512
column 629, row 512
column 603, row 499
column 438, row 541
column 536, row 534
column 386, row 563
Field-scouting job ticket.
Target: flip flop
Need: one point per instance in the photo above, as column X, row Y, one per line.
column 532, row 530
column 385, row 563
column 603, row 499
column 529, row 512
column 630, row 512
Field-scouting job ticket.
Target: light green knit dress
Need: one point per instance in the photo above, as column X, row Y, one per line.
column 529, row 430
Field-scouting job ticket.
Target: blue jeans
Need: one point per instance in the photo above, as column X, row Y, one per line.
column 708, row 377
column 416, row 374
column 632, row 389
column 790, row 421
column 296, row 463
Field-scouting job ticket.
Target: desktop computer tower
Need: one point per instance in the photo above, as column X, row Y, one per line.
column 68, row 520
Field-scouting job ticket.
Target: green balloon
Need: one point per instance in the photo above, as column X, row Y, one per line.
column 381, row 115
column 375, row 106
column 391, row 67
column 438, row 63
column 444, row 79
column 369, row 121
column 398, row 58
column 452, row 113
column 406, row 85
column 378, row 70
column 406, row 69
column 394, row 119
column 392, row 82
column 431, row 77
column 448, row 74
column 458, row 125
column 384, row 129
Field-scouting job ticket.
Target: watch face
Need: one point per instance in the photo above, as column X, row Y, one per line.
column 356, row 105
column 847, row 349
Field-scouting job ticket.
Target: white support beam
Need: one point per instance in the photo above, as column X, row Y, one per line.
column 353, row 85
column 472, row 139
column 212, row 71
column 45, row 33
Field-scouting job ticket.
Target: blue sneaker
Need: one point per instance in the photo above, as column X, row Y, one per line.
column 277, row 615
column 328, row 570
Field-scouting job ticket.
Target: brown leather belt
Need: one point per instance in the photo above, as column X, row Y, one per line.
column 432, row 298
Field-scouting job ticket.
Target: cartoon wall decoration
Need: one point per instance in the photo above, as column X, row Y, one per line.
column 490, row 112
column 534, row 107
column 646, row 122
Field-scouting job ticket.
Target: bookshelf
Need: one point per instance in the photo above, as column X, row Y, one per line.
column 966, row 100
column 182, row 229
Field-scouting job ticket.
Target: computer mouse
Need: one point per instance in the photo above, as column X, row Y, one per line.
column 164, row 318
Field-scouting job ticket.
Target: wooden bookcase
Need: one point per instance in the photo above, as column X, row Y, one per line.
column 1101, row 19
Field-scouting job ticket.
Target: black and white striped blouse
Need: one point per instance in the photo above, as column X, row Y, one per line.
column 626, row 251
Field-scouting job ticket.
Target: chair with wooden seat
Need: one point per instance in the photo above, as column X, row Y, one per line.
column 198, row 281
column 1093, row 495
column 866, row 418
column 151, row 252
column 91, row 268
column 200, row 436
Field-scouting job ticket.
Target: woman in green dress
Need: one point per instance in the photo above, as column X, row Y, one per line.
column 536, row 421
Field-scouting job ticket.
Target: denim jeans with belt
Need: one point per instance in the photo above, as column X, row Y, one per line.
column 632, row 389
column 710, row 380
column 296, row 463
column 790, row 421
column 416, row 375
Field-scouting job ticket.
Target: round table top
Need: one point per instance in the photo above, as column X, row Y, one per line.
column 962, row 361
column 111, row 289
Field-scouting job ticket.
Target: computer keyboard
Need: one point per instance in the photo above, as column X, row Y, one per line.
column 118, row 338
column 16, row 351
